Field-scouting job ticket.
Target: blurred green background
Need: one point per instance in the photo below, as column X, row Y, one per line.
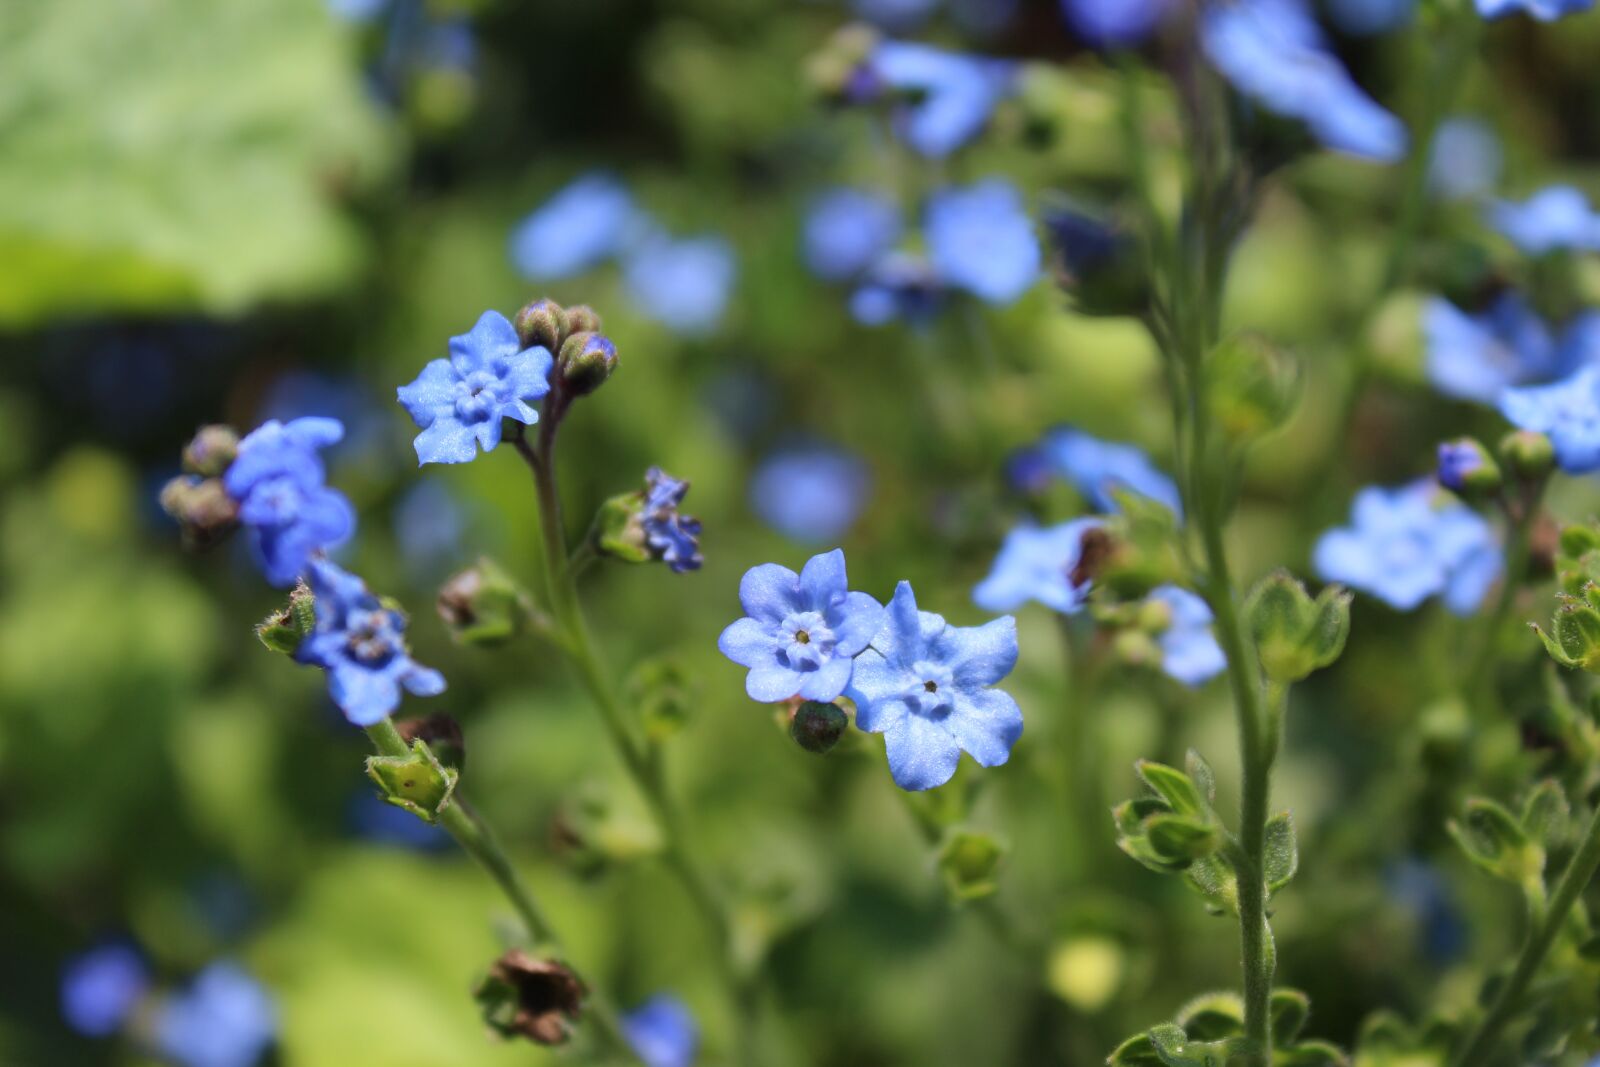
column 217, row 212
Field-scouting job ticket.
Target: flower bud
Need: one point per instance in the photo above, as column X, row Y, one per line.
column 1527, row 455
column 1465, row 467
column 817, row 726
column 1098, row 264
column 417, row 782
column 1294, row 634
column 581, row 318
column 523, row 996
column 211, row 451
column 662, row 692
column 204, row 511
column 441, row 732
column 483, row 605
column 587, row 360
column 284, row 629
column 1252, row 387
column 969, row 862
column 1574, row 640
column 541, row 324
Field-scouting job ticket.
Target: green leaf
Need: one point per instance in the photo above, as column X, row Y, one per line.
column 1213, row 878
column 1200, row 771
column 1173, row 786
column 1137, row 1051
column 1281, row 854
column 1289, row 1009
column 1212, row 1016
column 1176, row 1049
column 1182, row 837
column 1311, row 1054
column 1494, row 839
column 1545, row 813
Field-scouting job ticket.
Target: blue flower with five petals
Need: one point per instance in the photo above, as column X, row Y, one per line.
column 224, row 1019
column 801, row 632
column 924, row 685
column 459, row 402
column 1038, row 563
column 1568, row 411
column 1476, row 357
column 581, row 226
column 277, row 480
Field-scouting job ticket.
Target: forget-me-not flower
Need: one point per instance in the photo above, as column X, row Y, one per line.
column 1476, row 357
column 361, row 643
column 847, row 230
column 1098, row 469
column 662, row 1033
column 1465, row 160
column 1273, row 52
column 101, row 988
column 1568, row 411
column 581, row 226
column 1038, row 563
column 1114, row 23
column 1189, row 650
column 459, row 402
column 800, row 632
column 1553, row 219
column 277, row 480
column 946, row 97
column 925, row 685
column 672, row 537
column 1543, row 10
column 811, row 493
column 1409, row 543
column 981, row 239
column 224, row 1019
column 684, row 284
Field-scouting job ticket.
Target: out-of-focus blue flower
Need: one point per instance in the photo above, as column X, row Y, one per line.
column 1465, row 161
column 1543, row 10
column 357, row 10
column 947, row 97
column 277, row 480
column 1568, row 410
column 581, row 226
column 1424, row 894
column 361, row 644
column 1459, row 460
column 1273, row 52
column 1476, row 357
column 899, row 286
column 847, row 230
column 459, row 402
column 896, row 16
column 1189, row 650
column 1361, row 18
column 1097, row 469
column 1029, row 469
column 224, row 1019
column 800, row 631
column 101, row 987
column 980, row 239
column 365, row 416
column 374, row 819
column 924, row 685
column 1114, row 23
column 682, row 284
column 1409, row 543
column 662, row 1033
column 672, row 538
column 810, row 494
column 428, row 527
column 1038, row 563
column 1555, row 218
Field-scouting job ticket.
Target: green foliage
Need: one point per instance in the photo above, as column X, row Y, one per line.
column 970, row 860
column 484, row 605
column 1175, row 827
column 1208, row 1031
column 1504, row 845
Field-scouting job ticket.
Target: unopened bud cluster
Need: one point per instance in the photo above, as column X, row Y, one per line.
column 197, row 499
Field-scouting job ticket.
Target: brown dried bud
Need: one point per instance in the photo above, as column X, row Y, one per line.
column 442, row 734
column 523, row 996
column 202, row 508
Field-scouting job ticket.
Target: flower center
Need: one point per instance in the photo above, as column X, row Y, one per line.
column 807, row 641
column 371, row 638
column 802, row 637
column 930, row 686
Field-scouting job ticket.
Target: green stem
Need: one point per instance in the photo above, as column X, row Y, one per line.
column 1580, row 871
column 1521, row 515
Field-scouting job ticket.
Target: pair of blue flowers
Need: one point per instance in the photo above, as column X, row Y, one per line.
column 922, row 683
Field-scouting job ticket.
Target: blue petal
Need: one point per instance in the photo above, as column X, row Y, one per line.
column 855, row 622
column 747, row 642
column 446, row 441
column 432, row 394
column 979, row 655
column 769, row 683
column 364, row 696
column 823, row 578
column 903, row 635
column 828, row 681
column 528, row 374
column 875, row 686
column 769, row 592
column 922, row 754
column 985, row 722
column 423, row 681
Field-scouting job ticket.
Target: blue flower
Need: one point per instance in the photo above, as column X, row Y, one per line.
column 924, row 685
column 1568, row 410
column 459, row 402
column 1465, row 161
column 671, row 537
column 899, row 286
column 429, row 523
column 800, row 631
column 980, row 239
column 1114, row 23
column 374, row 819
column 1554, row 218
column 101, row 988
column 811, row 493
column 277, row 480
column 1273, row 52
column 662, row 1033
column 1361, row 18
column 1409, row 543
column 580, row 227
column 1038, row 563
column 1543, row 10
column 1476, row 357
column 682, row 284
column 361, row 643
column 947, row 97
column 1459, row 460
column 224, row 1019
column 1189, row 650
column 1099, row 468
column 847, row 230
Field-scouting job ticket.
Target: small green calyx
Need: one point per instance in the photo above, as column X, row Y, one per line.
column 419, row 782
column 1294, row 634
column 1574, row 638
column 1528, row 455
column 1507, row 846
column 618, row 529
column 483, row 605
column 969, row 862
column 818, row 726
column 1252, row 387
column 284, row 629
column 442, row 733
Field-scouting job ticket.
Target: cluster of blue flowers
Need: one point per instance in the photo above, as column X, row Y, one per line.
column 1478, row 357
column 682, row 283
column 278, row 481
column 938, row 100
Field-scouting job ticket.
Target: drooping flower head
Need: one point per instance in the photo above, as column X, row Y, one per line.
column 1098, row 469
column 1273, row 52
column 811, row 493
column 1114, row 23
column 1409, row 543
column 925, row 685
column 847, row 230
column 1189, row 650
column 1553, row 219
column 1465, row 160
column 101, row 988
column 580, row 227
column 1476, row 357
column 672, row 537
column 662, row 1033
column 277, row 481
column 1038, row 563
column 224, row 1019
column 361, row 643
column 981, row 239
column 1543, row 10
column 1568, row 411
column 946, row 98
column 801, row 631
column 684, row 284
column 459, row 402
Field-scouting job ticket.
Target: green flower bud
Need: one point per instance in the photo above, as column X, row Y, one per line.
column 662, row 692
column 483, row 605
column 581, row 318
column 523, row 996
column 541, row 324
column 1294, row 634
column 1466, row 468
column 1574, row 640
column 418, row 782
column 202, row 508
column 1527, row 455
column 442, row 734
column 1252, row 387
column 969, row 862
column 211, row 451
column 817, row 726
column 284, row 629
column 587, row 360
column 618, row 529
